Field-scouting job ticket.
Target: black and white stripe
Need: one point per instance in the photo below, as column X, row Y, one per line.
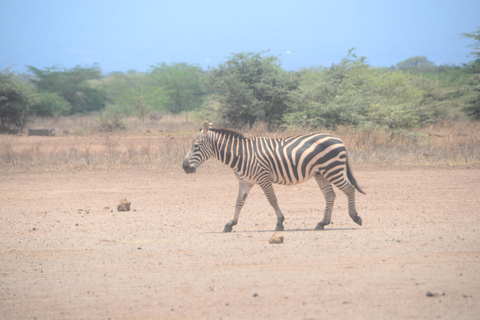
column 287, row 161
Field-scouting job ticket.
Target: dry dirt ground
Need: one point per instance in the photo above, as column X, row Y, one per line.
column 66, row 252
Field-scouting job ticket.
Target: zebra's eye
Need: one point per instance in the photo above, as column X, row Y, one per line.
column 196, row 145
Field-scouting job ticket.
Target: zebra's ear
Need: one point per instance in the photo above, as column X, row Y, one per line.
column 205, row 127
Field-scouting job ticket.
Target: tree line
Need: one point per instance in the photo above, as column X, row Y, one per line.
column 249, row 87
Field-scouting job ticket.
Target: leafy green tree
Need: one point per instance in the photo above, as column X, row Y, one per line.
column 472, row 108
column 16, row 101
column 417, row 64
column 476, row 45
column 473, row 66
column 72, row 85
column 134, row 94
column 183, row 83
column 50, row 104
column 252, row 87
column 329, row 97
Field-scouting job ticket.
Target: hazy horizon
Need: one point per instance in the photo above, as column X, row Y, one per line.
column 124, row 35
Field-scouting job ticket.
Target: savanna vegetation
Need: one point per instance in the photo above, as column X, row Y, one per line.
column 404, row 106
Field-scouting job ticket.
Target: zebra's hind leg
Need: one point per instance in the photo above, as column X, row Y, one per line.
column 352, row 211
column 329, row 195
column 243, row 190
column 349, row 190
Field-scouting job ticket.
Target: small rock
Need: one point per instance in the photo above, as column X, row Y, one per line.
column 276, row 238
column 433, row 294
column 255, row 295
column 124, row 205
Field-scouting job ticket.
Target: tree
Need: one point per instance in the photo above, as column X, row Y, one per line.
column 184, row 84
column 329, row 97
column 417, row 64
column 134, row 93
column 473, row 66
column 472, row 107
column 476, row 45
column 72, row 85
column 16, row 101
column 252, row 87
column 50, row 104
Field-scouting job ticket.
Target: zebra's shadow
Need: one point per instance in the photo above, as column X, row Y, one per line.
column 288, row 230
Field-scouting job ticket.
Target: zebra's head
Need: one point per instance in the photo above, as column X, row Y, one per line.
column 200, row 150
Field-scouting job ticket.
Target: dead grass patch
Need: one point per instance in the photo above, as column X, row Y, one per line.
column 98, row 151
column 443, row 144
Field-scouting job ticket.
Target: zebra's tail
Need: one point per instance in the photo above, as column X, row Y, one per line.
column 352, row 179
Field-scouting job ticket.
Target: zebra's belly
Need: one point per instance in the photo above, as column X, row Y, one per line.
column 275, row 179
column 285, row 178
column 291, row 180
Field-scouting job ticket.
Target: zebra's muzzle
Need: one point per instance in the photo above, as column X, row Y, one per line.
column 187, row 167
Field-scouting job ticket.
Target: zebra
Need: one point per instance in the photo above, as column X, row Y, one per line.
column 287, row 161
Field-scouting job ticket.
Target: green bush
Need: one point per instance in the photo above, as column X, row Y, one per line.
column 352, row 93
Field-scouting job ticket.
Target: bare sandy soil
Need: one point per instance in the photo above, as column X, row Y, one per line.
column 66, row 252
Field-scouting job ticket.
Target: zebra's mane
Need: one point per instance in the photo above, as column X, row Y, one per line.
column 230, row 132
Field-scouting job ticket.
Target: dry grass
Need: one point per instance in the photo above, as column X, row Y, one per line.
column 98, row 151
column 446, row 143
column 455, row 143
column 78, row 144
column 163, row 144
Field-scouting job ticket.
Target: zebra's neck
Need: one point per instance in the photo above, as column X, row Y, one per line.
column 229, row 148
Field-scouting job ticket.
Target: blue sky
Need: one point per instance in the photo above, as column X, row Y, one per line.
column 122, row 35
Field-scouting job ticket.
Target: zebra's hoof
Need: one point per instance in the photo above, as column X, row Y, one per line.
column 320, row 227
column 358, row 220
column 229, row 226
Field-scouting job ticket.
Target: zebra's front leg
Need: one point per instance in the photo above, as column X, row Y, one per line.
column 267, row 188
column 329, row 194
column 243, row 190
